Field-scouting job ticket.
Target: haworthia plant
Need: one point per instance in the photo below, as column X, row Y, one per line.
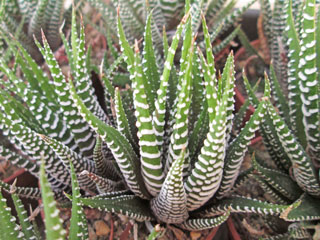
column 54, row 229
column 291, row 129
column 156, row 173
column 165, row 18
column 162, row 162
column 25, row 19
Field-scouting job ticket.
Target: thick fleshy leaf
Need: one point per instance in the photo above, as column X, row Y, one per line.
column 25, row 224
column 279, row 181
column 26, row 192
column 236, row 151
column 151, row 165
column 122, row 120
column 209, row 73
column 81, row 131
column 303, row 168
column 226, row 41
column 308, row 79
column 205, row 178
column 41, row 81
column 37, row 20
column 278, row 95
column 129, row 205
column 53, row 222
column 304, row 209
column 198, row 224
column 9, row 228
column 179, row 136
column 78, row 221
column 295, row 103
column 22, row 161
column 33, row 145
column 160, row 104
column 149, row 60
column 242, row 205
column 79, row 162
column 104, row 161
column 81, row 74
column 170, row 205
column 103, row 184
column 269, row 134
column 122, row 151
column 271, row 193
column 45, row 114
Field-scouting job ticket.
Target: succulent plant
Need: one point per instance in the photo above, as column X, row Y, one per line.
column 291, row 129
column 160, row 150
column 24, row 19
column 167, row 14
column 27, row 228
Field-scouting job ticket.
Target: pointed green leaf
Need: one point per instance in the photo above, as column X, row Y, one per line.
column 179, row 136
column 304, row 209
column 78, row 222
column 81, row 75
column 303, row 168
column 308, row 79
column 25, row 223
column 9, row 228
column 129, row 205
column 150, row 155
column 198, row 224
column 79, row 162
column 122, row 151
column 160, row 104
column 236, row 151
column 242, row 205
column 122, row 121
column 205, row 178
column 80, row 129
column 53, row 222
column 149, row 62
column 279, row 181
column 104, row 161
column 295, row 103
column 170, row 205
column 269, row 134
column 103, row 184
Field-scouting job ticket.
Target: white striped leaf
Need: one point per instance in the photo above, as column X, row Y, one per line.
column 9, row 229
column 170, row 204
column 53, row 222
column 179, row 135
column 78, row 222
column 81, row 131
column 122, row 151
column 205, row 178
column 151, row 165
column 79, row 162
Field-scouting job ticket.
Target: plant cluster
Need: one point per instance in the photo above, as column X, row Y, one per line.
column 163, row 149
column 24, row 19
column 290, row 129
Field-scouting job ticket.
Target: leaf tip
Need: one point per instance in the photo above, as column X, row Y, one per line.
column 13, row 187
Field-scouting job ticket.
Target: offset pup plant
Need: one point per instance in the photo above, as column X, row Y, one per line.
column 167, row 14
column 160, row 150
column 28, row 229
column 291, row 131
column 24, row 19
column 165, row 18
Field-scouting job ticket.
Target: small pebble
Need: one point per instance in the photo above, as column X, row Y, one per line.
column 195, row 235
column 102, row 229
